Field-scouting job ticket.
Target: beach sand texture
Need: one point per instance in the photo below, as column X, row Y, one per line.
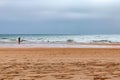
column 59, row 64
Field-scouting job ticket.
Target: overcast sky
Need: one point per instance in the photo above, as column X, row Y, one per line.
column 60, row 16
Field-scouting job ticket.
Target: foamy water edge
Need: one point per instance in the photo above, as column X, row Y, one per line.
column 58, row 46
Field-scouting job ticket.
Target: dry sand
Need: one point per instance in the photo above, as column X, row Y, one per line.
column 59, row 64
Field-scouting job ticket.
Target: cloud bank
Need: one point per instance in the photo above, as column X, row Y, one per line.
column 39, row 12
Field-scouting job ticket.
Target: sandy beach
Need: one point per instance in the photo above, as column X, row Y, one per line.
column 59, row 63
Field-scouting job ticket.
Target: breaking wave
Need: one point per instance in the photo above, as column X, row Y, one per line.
column 36, row 39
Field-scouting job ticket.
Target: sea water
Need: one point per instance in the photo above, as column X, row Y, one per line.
column 50, row 39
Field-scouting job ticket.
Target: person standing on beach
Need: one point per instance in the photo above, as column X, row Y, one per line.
column 19, row 40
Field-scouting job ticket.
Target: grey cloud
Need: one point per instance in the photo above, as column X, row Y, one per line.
column 43, row 9
column 99, row 15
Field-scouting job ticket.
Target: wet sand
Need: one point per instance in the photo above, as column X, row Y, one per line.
column 59, row 64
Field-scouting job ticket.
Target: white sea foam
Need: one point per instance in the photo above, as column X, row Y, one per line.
column 58, row 46
column 39, row 39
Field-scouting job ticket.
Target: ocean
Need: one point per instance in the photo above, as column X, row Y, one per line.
column 48, row 38
column 52, row 40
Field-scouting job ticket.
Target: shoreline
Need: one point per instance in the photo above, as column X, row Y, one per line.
column 54, row 45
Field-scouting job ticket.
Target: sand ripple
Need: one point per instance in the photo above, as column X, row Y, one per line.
column 87, row 70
